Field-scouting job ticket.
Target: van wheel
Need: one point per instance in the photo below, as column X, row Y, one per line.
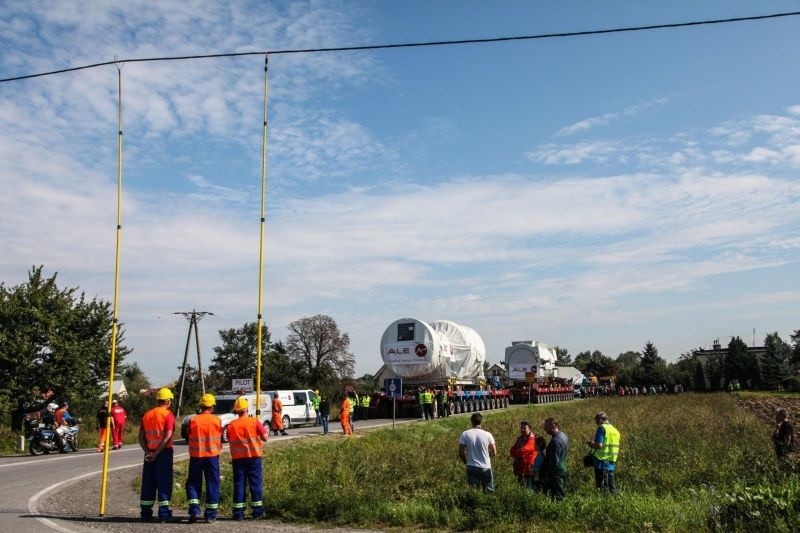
column 287, row 423
column 267, row 426
column 225, row 434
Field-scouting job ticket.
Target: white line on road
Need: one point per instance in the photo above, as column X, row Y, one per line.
column 34, row 500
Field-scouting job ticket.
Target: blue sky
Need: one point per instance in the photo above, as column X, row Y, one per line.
column 594, row 192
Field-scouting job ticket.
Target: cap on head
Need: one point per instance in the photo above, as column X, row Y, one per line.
column 241, row 404
column 114, row 401
column 208, row 400
column 164, row 394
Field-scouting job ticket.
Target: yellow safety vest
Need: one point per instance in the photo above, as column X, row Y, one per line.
column 610, row 448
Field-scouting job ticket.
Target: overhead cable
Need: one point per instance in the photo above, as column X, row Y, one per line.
column 417, row 44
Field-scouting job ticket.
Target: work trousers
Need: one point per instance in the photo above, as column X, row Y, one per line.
column 556, row 484
column 604, row 480
column 117, row 433
column 324, row 419
column 347, row 429
column 247, row 472
column 157, row 485
column 200, row 468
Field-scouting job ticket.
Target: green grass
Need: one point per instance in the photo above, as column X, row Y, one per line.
column 687, row 462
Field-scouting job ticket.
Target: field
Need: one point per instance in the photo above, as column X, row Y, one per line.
column 687, row 463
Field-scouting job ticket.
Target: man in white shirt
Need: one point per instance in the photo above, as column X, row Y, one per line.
column 476, row 447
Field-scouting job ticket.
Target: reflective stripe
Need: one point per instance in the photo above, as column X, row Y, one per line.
column 212, row 506
column 239, row 505
column 610, row 448
column 164, row 503
column 193, row 501
column 146, row 503
column 243, row 438
column 205, row 436
column 256, row 504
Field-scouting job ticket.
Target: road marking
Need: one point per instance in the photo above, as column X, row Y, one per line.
column 72, row 455
column 32, row 502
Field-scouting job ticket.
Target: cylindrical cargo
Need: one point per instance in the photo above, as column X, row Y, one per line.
column 412, row 348
column 529, row 357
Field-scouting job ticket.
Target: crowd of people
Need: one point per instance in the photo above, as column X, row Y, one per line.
column 609, row 389
column 538, row 464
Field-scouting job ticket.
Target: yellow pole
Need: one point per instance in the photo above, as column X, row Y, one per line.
column 114, row 323
column 261, row 239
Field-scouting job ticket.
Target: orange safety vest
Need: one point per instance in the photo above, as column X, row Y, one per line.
column 155, row 424
column 244, row 438
column 60, row 416
column 344, row 412
column 205, row 436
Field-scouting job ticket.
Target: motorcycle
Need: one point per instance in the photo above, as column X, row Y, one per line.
column 43, row 438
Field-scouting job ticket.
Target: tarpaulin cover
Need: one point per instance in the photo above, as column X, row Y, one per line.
column 412, row 348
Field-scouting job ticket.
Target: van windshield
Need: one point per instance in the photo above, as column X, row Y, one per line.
column 224, row 406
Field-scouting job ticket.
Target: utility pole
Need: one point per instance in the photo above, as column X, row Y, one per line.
column 193, row 317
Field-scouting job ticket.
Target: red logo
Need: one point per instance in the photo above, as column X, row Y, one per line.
column 421, row 350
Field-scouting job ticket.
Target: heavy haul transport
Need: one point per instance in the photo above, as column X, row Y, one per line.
column 443, row 356
column 531, row 371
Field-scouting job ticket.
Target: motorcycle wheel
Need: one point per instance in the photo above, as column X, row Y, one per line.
column 36, row 448
column 73, row 444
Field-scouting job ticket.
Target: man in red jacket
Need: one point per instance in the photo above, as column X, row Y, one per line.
column 524, row 454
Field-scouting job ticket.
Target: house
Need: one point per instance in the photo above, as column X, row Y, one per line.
column 119, row 388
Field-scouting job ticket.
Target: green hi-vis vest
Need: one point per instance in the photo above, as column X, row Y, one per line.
column 610, row 448
column 315, row 402
column 365, row 399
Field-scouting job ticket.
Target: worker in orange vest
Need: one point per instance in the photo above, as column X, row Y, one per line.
column 205, row 445
column 344, row 415
column 155, row 438
column 277, row 414
column 245, row 438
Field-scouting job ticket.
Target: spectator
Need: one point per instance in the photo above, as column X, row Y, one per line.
column 783, row 437
column 606, row 443
column 476, row 447
column 524, row 454
column 554, row 470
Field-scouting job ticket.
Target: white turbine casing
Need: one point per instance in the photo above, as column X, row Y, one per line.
column 529, row 356
column 412, row 348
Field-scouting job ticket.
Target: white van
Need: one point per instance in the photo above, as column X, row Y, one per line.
column 298, row 409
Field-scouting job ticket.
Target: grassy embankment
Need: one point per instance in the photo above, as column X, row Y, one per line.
column 688, row 463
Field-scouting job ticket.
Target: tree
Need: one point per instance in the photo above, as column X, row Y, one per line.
column 324, row 351
column 595, row 363
column 740, row 364
column 628, row 367
column 776, row 363
column 563, row 358
column 136, row 404
column 53, row 337
column 652, row 368
column 684, row 372
column 237, row 358
column 796, row 349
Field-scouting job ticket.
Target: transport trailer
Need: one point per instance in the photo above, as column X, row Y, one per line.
column 442, row 356
column 530, row 366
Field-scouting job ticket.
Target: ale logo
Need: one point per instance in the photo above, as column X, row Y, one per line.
column 421, row 350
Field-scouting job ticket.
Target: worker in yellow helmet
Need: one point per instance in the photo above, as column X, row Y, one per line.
column 205, row 445
column 155, row 438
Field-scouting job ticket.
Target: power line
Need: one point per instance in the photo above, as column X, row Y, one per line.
column 417, row 44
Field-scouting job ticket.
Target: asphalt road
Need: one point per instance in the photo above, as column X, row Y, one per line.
column 62, row 492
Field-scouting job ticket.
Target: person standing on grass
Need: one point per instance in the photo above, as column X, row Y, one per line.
column 606, row 443
column 246, row 438
column 524, row 453
column 205, row 445
column 476, row 447
column 554, row 471
column 783, row 437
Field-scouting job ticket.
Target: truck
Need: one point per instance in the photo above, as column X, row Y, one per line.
column 530, row 367
column 442, row 355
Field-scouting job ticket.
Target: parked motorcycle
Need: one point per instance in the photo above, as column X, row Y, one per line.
column 43, row 438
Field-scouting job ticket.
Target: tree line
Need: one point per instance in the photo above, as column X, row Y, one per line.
column 775, row 367
column 57, row 338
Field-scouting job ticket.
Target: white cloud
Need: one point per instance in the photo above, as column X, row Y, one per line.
column 608, row 118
